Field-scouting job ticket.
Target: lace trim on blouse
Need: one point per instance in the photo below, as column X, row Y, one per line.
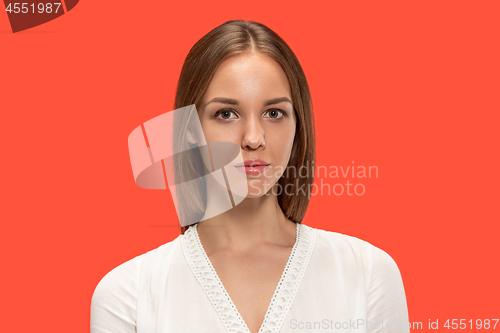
column 283, row 296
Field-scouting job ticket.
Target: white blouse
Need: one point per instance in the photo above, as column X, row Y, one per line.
column 331, row 283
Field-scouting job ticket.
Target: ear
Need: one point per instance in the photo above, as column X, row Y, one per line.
column 190, row 137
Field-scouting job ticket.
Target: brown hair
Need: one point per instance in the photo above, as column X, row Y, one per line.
column 227, row 40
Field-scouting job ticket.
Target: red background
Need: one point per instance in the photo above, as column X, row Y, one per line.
column 411, row 87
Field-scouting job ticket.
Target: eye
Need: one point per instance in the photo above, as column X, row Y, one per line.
column 225, row 114
column 275, row 113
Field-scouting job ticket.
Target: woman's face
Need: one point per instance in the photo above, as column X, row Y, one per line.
column 249, row 103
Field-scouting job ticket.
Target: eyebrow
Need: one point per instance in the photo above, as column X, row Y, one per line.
column 235, row 102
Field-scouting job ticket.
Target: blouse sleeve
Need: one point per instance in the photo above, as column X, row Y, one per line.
column 386, row 301
column 113, row 306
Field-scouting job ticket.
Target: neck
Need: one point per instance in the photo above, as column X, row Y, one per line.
column 253, row 222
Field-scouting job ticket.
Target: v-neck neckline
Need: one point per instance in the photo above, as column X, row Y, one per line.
column 283, row 295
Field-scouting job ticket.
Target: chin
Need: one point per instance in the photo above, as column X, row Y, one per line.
column 257, row 188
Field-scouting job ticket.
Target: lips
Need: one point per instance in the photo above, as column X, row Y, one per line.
column 252, row 167
column 252, row 163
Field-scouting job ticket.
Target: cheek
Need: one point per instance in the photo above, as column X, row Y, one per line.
column 222, row 135
column 282, row 142
column 215, row 133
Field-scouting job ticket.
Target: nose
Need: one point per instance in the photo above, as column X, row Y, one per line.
column 253, row 136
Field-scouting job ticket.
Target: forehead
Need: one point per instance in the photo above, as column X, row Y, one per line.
column 248, row 76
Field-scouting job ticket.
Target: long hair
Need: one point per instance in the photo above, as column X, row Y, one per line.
column 227, row 40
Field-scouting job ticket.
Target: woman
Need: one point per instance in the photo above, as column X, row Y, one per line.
column 252, row 267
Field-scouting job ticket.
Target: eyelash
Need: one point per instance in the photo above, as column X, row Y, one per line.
column 216, row 115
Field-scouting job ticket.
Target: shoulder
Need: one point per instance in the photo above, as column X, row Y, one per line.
column 114, row 299
column 364, row 269
column 344, row 245
column 121, row 280
column 354, row 251
column 113, row 305
column 124, row 278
